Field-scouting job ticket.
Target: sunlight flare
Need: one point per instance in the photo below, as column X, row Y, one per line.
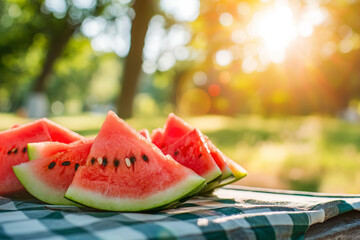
column 276, row 29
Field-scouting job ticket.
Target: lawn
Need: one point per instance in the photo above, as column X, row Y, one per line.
column 301, row 153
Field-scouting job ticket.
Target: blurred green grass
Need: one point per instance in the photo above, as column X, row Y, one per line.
column 310, row 153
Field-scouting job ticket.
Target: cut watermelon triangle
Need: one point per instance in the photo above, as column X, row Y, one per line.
column 174, row 128
column 47, row 149
column 48, row 177
column 145, row 133
column 13, row 148
column 157, row 137
column 59, row 133
column 126, row 172
column 44, row 149
column 219, row 158
column 191, row 151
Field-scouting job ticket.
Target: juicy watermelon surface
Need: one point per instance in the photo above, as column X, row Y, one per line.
column 176, row 128
column 219, row 158
column 191, row 151
column 126, row 172
column 44, row 149
column 48, row 177
column 13, row 148
column 145, row 133
column 59, row 133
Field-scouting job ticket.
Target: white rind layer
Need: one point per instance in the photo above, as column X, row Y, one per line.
column 211, row 175
column 96, row 200
column 226, row 173
column 38, row 188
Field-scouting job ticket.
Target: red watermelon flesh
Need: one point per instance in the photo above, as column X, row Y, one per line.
column 15, row 125
column 59, row 133
column 145, row 133
column 157, row 137
column 13, row 148
column 219, row 158
column 48, row 177
column 175, row 128
column 45, row 149
column 191, row 151
column 126, row 172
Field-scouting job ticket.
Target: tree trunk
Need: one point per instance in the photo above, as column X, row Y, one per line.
column 56, row 47
column 130, row 78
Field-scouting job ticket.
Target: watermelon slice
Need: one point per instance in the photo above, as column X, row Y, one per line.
column 157, row 137
column 191, row 151
column 175, row 128
column 13, row 148
column 48, row 177
column 126, row 172
column 59, row 133
column 145, row 133
column 44, row 149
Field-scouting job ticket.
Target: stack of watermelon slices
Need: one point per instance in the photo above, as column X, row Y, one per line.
column 125, row 170
column 193, row 149
column 13, row 148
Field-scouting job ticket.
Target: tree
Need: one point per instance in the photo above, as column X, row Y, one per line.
column 59, row 32
column 144, row 10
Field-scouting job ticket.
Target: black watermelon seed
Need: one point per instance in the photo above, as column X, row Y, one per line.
column 105, row 162
column 145, row 158
column 176, row 153
column 51, row 165
column 9, row 152
column 93, row 161
column 76, row 166
column 15, row 150
column 200, row 155
column 132, row 159
column 116, row 163
column 24, row 150
column 66, row 163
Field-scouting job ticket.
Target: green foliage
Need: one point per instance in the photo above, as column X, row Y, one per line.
column 73, row 71
column 29, row 30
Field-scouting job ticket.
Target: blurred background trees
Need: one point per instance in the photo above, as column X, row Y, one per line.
column 193, row 57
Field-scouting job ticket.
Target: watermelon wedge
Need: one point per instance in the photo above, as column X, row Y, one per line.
column 191, row 151
column 157, row 137
column 176, row 128
column 48, row 177
column 126, row 172
column 145, row 133
column 45, row 149
column 13, row 148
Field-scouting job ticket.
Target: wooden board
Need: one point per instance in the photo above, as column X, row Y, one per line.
column 344, row 226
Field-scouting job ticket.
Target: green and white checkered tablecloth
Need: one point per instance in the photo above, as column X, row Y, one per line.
column 231, row 213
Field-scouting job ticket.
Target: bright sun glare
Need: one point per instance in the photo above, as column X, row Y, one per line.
column 277, row 29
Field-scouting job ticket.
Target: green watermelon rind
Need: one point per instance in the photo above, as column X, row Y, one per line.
column 183, row 190
column 36, row 150
column 226, row 173
column 180, row 200
column 33, row 152
column 37, row 188
column 234, row 177
column 212, row 175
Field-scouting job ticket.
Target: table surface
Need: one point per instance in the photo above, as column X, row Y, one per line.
column 344, row 226
column 233, row 212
